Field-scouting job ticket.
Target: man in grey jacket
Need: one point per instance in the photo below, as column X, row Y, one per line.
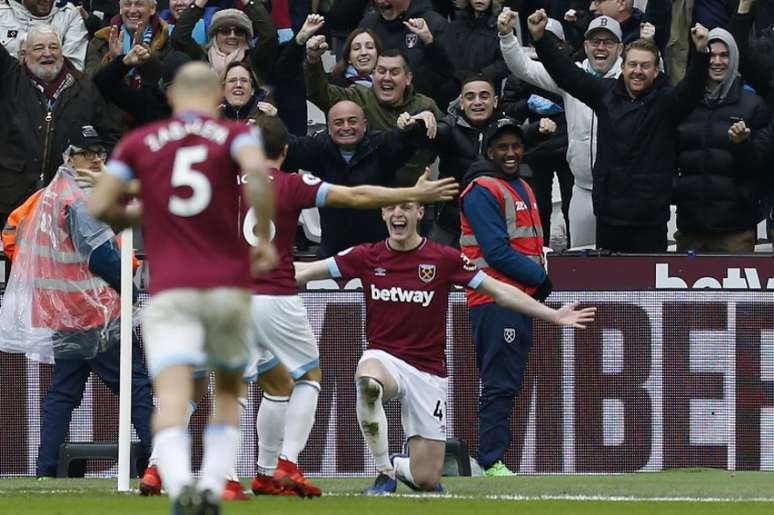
column 17, row 17
column 603, row 59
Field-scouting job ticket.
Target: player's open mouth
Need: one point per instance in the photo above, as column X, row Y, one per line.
column 398, row 226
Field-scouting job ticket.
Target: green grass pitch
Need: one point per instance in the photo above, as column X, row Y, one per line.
column 684, row 492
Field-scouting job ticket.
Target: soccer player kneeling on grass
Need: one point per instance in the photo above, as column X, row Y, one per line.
column 406, row 281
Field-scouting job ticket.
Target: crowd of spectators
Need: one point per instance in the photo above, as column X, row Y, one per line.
column 622, row 101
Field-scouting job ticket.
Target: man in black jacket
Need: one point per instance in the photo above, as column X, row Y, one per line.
column 460, row 141
column 638, row 114
column 41, row 101
column 350, row 155
column 718, row 195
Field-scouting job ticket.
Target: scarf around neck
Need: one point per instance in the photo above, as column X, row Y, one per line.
column 54, row 88
column 219, row 61
column 355, row 77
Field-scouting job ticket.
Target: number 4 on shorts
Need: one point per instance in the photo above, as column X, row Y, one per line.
column 438, row 411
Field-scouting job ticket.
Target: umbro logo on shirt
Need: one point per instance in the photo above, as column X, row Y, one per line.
column 380, row 272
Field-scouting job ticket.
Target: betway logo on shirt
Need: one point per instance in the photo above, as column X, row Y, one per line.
column 398, row 294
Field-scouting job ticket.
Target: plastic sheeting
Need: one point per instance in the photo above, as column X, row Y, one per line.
column 54, row 306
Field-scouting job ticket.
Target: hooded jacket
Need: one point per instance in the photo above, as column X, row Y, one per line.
column 432, row 68
column 716, row 190
column 582, row 123
column 636, row 159
column 459, row 145
column 16, row 21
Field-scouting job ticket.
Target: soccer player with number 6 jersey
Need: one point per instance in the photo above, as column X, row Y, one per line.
column 199, row 313
column 406, row 280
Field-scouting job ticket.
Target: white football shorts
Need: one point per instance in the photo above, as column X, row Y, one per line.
column 281, row 334
column 202, row 328
column 422, row 396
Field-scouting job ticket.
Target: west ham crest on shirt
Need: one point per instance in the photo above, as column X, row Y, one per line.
column 426, row 272
column 509, row 334
column 411, row 40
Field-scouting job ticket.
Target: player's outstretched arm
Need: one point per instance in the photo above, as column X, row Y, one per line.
column 369, row 197
column 311, row 271
column 253, row 163
column 513, row 298
column 105, row 202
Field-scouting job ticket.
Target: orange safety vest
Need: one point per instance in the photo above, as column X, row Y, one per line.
column 15, row 224
column 66, row 294
column 524, row 232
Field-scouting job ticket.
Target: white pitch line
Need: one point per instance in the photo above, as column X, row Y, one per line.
column 582, row 498
column 605, row 498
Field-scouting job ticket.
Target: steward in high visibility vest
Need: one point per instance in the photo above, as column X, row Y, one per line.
column 62, row 300
column 501, row 234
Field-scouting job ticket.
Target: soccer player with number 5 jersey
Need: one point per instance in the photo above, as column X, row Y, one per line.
column 198, row 316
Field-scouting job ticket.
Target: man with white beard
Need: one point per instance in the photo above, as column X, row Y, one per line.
column 42, row 98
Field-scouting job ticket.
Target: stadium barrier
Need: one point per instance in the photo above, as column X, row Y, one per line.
column 677, row 371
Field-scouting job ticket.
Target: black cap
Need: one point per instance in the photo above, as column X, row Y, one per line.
column 85, row 136
column 500, row 126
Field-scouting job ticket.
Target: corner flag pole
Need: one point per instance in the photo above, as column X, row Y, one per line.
column 125, row 384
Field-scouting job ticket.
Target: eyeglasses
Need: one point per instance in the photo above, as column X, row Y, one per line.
column 238, row 80
column 607, row 43
column 237, row 31
column 91, row 155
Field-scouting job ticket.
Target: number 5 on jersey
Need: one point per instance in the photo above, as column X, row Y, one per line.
column 183, row 174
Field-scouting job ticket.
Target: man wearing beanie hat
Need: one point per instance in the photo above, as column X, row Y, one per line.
column 718, row 204
column 66, row 278
column 502, row 235
column 234, row 36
